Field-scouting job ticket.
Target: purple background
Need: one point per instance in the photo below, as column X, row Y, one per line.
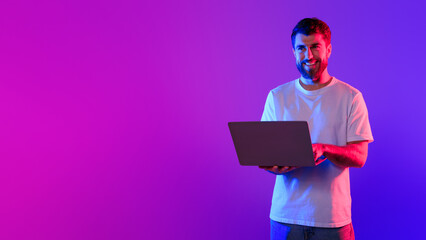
column 114, row 114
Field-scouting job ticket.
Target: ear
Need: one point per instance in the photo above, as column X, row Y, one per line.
column 294, row 52
column 329, row 50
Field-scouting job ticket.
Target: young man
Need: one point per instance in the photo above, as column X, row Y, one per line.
column 315, row 203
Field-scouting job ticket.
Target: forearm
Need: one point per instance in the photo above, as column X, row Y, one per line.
column 351, row 155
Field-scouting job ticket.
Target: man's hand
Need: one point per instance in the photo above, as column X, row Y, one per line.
column 278, row 170
column 318, row 150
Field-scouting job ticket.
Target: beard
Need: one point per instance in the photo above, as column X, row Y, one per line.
column 314, row 73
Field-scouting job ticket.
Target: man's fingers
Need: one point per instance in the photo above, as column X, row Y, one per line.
column 320, row 160
column 269, row 168
column 277, row 169
column 286, row 169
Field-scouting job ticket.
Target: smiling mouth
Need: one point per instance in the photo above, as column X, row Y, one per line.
column 310, row 65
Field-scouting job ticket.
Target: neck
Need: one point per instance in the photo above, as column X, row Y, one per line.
column 315, row 84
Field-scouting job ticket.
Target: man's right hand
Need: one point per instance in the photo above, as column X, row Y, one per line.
column 278, row 170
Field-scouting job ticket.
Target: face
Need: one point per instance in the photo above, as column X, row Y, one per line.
column 312, row 54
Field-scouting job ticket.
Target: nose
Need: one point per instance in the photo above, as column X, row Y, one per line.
column 308, row 54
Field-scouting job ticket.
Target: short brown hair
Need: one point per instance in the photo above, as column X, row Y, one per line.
column 308, row 26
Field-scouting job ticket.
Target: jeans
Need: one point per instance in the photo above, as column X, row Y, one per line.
column 284, row 231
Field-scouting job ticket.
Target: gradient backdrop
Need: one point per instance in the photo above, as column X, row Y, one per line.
column 114, row 114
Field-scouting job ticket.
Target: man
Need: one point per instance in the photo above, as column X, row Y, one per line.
column 315, row 202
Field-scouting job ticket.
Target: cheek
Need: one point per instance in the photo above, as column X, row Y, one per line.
column 320, row 56
column 324, row 54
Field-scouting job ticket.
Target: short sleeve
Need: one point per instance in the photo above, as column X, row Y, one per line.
column 269, row 110
column 358, row 124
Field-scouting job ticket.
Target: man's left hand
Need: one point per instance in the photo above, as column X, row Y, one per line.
column 318, row 150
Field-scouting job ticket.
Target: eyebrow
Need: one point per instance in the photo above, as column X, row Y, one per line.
column 313, row 45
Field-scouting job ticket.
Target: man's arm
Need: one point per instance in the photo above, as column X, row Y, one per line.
column 354, row 154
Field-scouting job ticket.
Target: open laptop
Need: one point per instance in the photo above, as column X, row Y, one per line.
column 277, row 143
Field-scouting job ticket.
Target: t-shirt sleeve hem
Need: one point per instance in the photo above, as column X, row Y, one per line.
column 360, row 138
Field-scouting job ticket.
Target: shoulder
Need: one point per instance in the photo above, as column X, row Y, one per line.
column 345, row 88
column 284, row 89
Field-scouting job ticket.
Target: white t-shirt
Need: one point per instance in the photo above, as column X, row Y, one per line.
column 336, row 114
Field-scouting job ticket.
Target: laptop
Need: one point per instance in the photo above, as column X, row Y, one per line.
column 277, row 143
